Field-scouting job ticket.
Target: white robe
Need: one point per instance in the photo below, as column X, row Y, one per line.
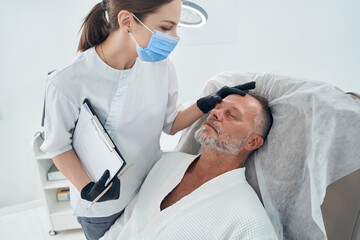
column 225, row 207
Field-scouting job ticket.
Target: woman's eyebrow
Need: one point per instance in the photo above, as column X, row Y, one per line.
column 168, row 21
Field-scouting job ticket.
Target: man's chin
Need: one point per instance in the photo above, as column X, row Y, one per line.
column 210, row 132
column 202, row 135
column 209, row 139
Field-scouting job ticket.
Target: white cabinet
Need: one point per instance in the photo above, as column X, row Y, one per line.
column 60, row 214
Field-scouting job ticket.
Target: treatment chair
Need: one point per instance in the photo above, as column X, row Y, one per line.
column 307, row 173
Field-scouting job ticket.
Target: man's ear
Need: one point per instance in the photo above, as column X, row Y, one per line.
column 125, row 20
column 253, row 142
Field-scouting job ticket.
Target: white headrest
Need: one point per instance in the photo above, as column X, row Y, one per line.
column 313, row 142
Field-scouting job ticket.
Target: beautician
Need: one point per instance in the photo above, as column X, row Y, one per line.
column 123, row 69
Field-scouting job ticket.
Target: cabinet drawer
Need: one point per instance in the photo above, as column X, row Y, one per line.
column 63, row 222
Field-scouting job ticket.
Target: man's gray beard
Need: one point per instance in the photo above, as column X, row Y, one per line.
column 227, row 145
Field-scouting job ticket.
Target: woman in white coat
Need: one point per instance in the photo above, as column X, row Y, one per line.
column 123, row 70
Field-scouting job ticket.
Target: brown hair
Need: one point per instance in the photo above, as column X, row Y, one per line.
column 264, row 119
column 96, row 28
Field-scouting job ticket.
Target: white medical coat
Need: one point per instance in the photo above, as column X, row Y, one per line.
column 134, row 105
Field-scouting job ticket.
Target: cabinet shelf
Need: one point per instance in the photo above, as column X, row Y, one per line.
column 60, row 214
column 56, row 184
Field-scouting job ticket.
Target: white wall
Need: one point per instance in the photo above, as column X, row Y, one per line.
column 311, row 39
column 36, row 36
column 316, row 40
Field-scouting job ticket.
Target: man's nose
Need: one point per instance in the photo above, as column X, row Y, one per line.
column 216, row 114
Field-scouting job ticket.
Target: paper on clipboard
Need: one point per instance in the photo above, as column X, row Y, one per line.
column 94, row 147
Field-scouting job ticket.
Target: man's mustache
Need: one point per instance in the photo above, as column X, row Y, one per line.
column 213, row 122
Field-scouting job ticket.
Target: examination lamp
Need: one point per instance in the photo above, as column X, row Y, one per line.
column 192, row 15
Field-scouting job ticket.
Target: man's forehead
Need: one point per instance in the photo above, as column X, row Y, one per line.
column 241, row 103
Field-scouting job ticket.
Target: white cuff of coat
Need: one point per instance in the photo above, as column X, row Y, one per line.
column 52, row 154
column 167, row 128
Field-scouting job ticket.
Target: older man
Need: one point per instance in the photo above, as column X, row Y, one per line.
column 205, row 196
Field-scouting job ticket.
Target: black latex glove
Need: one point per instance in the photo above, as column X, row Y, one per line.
column 209, row 102
column 92, row 189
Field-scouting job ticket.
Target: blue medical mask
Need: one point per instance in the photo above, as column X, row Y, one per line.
column 159, row 48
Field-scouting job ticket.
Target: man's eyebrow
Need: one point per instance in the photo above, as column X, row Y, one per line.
column 236, row 110
column 168, row 21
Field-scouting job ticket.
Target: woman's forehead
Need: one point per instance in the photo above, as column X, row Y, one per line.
column 169, row 12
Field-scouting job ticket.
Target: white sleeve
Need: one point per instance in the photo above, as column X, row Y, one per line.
column 60, row 118
column 115, row 230
column 173, row 106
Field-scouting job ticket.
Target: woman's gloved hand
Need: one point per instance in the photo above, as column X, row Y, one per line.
column 209, row 102
column 92, row 189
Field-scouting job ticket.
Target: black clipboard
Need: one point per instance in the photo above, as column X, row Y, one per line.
column 107, row 141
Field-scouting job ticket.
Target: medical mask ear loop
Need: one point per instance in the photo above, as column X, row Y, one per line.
column 142, row 23
column 133, row 38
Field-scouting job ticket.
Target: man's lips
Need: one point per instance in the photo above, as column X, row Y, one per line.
column 211, row 125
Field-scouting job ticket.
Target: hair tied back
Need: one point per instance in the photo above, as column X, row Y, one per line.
column 103, row 5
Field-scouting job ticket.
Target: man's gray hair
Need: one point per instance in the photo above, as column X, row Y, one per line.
column 263, row 120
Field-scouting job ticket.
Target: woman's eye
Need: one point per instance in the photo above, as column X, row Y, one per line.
column 165, row 29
